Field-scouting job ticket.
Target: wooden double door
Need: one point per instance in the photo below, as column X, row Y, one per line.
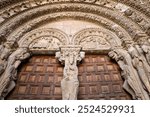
column 40, row 77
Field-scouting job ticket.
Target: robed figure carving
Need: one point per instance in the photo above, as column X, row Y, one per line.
column 132, row 83
column 70, row 83
column 142, row 68
column 9, row 76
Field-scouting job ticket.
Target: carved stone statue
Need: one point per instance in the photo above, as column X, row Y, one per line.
column 141, row 67
column 5, row 50
column 146, row 49
column 70, row 83
column 8, row 78
column 132, row 83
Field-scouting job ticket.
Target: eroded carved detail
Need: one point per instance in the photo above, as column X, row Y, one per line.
column 44, row 39
column 95, row 39
column 69, row 56
column 127, row 24
column 94, row 43
column 7, row 82
column 142, row 68
column 48, row 43
column 132, row 83
column 5, row 50
column 146, row 48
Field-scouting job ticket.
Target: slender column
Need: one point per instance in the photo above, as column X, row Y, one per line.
column 69, row 56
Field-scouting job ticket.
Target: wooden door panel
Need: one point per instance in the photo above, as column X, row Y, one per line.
column 100, row 79
column 39, row 78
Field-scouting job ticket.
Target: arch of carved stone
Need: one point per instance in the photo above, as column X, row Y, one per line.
column 124, row 35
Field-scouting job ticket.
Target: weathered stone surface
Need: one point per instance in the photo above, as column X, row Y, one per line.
column 124, row 23
column 69, row 56
column 10, row 74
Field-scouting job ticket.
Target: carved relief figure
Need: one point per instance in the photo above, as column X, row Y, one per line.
column 146, row 49
column 45, row 43
column 132, row 83
column 94, row 42
column 5, row 50
column 70, row 82
column 8, row 78
column 141, row 68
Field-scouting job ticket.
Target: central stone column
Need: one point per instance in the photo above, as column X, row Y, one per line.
column 70, row 55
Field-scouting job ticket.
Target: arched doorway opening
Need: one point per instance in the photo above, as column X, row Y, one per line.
column 40, row 76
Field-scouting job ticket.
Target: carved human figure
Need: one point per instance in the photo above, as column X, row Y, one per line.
column 5, row 50
column 8, row 78
column 146, row 49
column 132, row 83
column 70, row 82
column 2, row 63
column 141, row 67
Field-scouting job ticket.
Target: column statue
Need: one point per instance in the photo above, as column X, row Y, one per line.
column 141, row 67
column 8, row 78
column 132, row 83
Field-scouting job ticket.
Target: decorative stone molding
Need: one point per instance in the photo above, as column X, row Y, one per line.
column 23, row 5
column 112, row 15
column 69, row 56
column 132, row 83
column 114, row 28
column 138, row 18
column 7, row 82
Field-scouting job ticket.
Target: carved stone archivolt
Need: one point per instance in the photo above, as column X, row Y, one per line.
column 123, row 23
column 121, row 20
column 69, row 56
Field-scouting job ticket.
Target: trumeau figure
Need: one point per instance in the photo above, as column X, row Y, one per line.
column 141, row 67
column 132, row 83
column 70, row 83
column 9, row 76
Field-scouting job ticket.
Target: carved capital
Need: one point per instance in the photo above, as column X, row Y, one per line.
column 70, row 53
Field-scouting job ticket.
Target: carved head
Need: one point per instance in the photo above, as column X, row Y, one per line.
column 113, row 54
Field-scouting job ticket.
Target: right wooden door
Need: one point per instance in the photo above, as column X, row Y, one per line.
column 100, row 79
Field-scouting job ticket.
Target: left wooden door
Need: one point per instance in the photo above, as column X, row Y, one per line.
column 39, row 78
